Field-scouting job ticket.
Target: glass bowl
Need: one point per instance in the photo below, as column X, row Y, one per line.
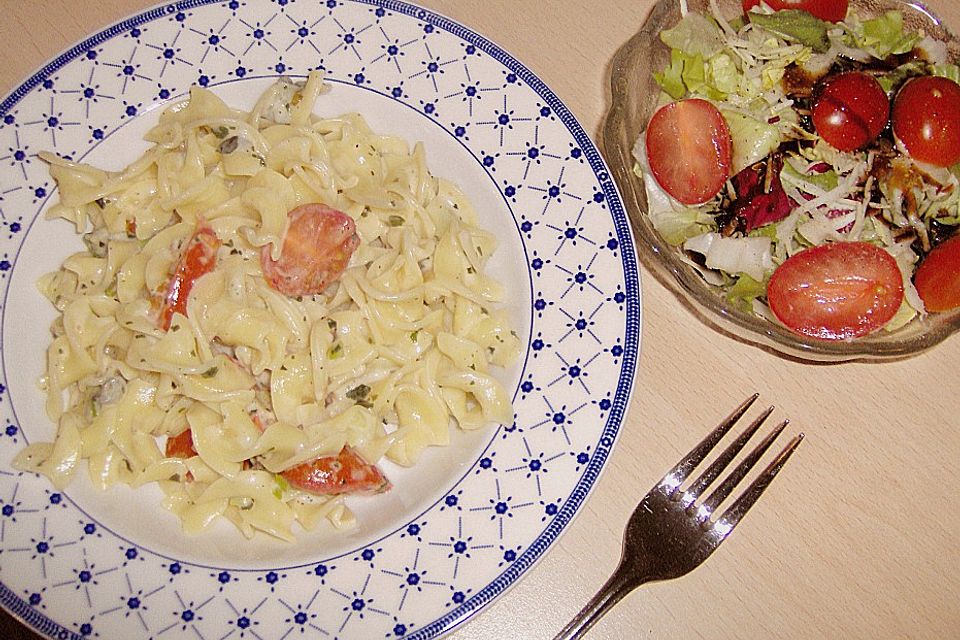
column 634, row 97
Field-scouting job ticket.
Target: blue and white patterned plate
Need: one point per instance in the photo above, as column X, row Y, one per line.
column 471, row 518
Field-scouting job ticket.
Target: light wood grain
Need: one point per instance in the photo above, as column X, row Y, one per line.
column 857, row 537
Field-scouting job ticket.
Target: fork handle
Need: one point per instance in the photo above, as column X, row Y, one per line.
column 622, row 582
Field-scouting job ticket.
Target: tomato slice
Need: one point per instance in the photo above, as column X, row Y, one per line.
column 689, row 149
column 198, row 257
column 926, row 120
column 836, row 291
column 316, row 250
column 344, row 473
column 851, row 110
column 181, row 446
column 938, row 277
column 829, row 10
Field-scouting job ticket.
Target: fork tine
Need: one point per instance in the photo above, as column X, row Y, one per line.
column 731, row 517
column 676, row 476
column 739, row 473
column 725, row 458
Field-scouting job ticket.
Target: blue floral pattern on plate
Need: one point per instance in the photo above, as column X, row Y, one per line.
column 69, row 576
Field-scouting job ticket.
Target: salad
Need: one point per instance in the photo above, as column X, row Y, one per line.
column 806, row 161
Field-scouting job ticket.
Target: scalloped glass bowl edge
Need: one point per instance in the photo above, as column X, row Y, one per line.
column 633, row 97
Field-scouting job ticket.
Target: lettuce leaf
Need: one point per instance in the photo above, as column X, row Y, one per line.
column 734, row 255
column 796, row 26
column 671, row 78
column 827, row 181
column 947, row 70
column 904, row 314
column 890, row 81
column 694, row 73
column 722, row 74
column 695, row 34
column 753, row 139
column 676, row 226
column 688, row 74
column 744, row 291
column 884, row 36
column 673, row 221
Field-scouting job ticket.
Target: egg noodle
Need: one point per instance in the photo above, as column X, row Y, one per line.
column 381, row 363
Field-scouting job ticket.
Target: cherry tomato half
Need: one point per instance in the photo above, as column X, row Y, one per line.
column 851, row 110
column 830, row 10
column 339, row 474
column 689, row 149
column 316, row 250
column 836, row 291
column 926, row 120
column 197, row 258
column 938, row 277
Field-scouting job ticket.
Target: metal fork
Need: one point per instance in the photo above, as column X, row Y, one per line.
column 670, row 533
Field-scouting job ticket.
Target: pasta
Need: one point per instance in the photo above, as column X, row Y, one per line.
column 270, row 303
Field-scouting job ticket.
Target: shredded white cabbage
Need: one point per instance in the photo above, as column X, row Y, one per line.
column 733, row 255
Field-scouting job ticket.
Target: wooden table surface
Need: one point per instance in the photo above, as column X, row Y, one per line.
column 856, row 538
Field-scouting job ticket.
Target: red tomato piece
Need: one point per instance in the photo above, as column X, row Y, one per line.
column 689, row 149
column 829, row 10
column 851, row 110
column 926, row 120
column 938, row 277
column 198, row 257
column 316, row 250
column 344, row 473
column 836, row 291
column 181, row 446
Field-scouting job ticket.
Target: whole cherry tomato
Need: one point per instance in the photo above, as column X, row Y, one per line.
column 926, row 120
column 851, row 110
column 938, row 277
column 830, row 10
